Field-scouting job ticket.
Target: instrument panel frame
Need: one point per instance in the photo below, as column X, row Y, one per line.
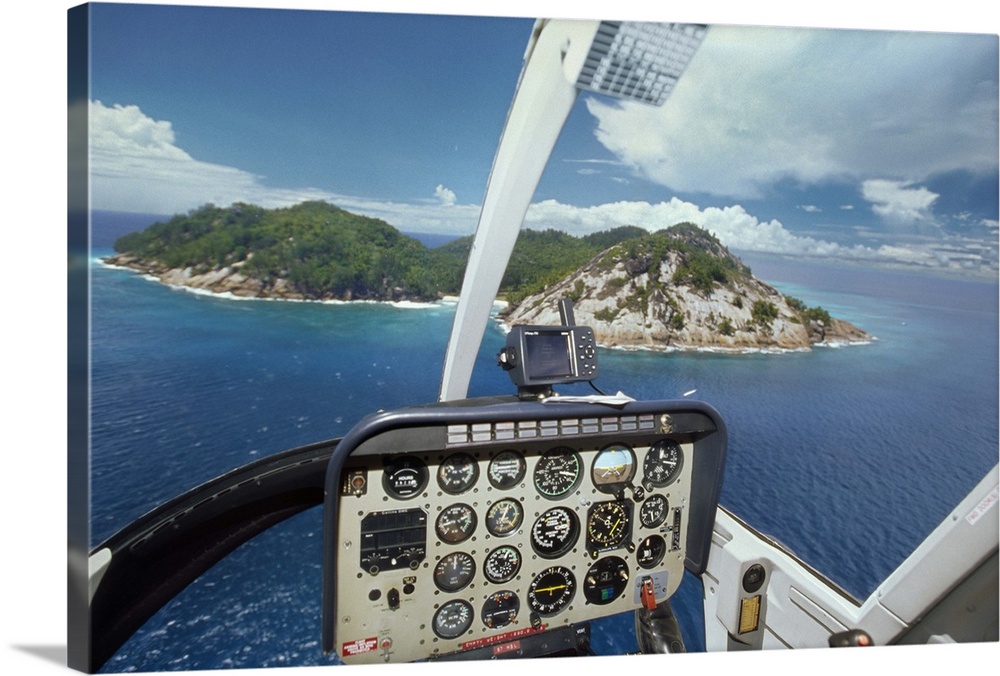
column 484, row 428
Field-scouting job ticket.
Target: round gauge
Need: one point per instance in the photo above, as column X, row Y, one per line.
column 663, row 463
column 653, row 511
column 504, row 517
column 452, row 619
column 605, row 580
column 457, row 473
column 607, row 524
column 555, row 532
column 455, row 523
column 651, row 551
column 551, row 590
column 502, row 564
column 557, row 472
column 506, row 469
column 500, row 609
column 613, row 466
column 404, row 476
column 454, row 571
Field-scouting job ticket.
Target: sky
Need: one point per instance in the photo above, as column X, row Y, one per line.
column 873, row 145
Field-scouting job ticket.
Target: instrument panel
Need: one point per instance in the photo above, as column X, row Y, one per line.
column 456, row 536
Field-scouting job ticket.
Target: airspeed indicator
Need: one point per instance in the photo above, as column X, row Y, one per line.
column 557, row 472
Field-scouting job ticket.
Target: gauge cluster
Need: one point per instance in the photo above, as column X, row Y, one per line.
column 488, row 536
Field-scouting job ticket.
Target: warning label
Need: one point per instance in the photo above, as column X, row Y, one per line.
column 984, row 506
column 359, row 647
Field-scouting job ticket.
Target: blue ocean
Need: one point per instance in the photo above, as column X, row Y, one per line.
column 850, row 455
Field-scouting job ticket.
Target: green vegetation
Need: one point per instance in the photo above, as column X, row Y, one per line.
column 763, row 313
column 808, row 314
column 323, row 251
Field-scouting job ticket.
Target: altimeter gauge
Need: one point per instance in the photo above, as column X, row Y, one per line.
column 452, row 619
column 551, row 590
column 613, row 467
column 663, row 464
column 457, row 473
column 557, row 472
column 554, row 532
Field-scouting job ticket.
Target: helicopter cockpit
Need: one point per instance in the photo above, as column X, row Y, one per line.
column 501, row 526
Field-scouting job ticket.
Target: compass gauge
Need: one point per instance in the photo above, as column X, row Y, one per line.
column 551, row 590
column 608, row 525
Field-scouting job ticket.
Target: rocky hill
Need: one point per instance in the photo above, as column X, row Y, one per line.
column 681, row 288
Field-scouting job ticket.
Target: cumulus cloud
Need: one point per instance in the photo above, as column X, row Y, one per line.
column 733, row 226
column 445, row 196
column 759, row 105
column 135, row 165
column 745, row 233
column 899, row 202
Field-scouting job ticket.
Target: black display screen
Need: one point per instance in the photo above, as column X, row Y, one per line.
column 548, row 354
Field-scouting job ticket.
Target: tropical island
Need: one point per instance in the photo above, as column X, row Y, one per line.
column 675, row 288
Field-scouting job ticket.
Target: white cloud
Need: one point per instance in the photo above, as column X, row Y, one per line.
column 732, row 225
column 445, row 196
column 760, row 105
column 744, row 233
column 899, row 202
column 136, row 166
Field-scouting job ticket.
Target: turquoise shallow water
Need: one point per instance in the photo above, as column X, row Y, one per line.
column 848, row 455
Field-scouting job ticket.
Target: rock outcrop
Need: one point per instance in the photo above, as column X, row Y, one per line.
column 681, row 289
